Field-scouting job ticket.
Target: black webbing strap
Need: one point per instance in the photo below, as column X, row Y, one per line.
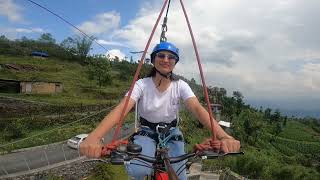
column 154, row 136
column 153, row 126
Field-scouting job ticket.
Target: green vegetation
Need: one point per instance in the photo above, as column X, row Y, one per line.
column 275, row 146
column 269, row 154
column 300, row 131
column 104, row 171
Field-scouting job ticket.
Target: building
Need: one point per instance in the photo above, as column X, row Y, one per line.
column 216, row 109
column 29, row 87
column 39, row 54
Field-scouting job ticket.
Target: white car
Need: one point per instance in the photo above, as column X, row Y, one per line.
column 75, row 141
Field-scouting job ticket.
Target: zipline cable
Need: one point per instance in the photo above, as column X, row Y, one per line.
column 66, row 21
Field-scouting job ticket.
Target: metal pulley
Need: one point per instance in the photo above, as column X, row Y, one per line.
column 164, row 27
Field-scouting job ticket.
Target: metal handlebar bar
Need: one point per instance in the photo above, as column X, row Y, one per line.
column 123, row 154
column 120, row 157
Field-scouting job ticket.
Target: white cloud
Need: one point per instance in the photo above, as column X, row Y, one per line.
column 30, row 30
column 260, row 48
column 102, row 23
column 14, row 33
column 11, row 10
column 113, row 43
column 116, row 52
column 312, row 73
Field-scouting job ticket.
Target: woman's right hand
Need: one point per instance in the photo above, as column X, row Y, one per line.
column 91, row 147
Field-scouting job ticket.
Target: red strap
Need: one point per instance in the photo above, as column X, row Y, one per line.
column 201, row 73
column 208, row 145
column 106, row 150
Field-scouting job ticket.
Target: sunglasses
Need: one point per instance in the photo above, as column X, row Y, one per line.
column 169, row 56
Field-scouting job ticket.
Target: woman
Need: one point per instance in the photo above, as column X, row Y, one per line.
column 158, row 98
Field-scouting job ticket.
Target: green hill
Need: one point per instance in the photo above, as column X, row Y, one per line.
column 77, row 88
column 300, row 131
column 24, row 115
column 276, row 147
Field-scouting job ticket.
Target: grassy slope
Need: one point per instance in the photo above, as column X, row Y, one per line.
column 76, row 86
column 300, row 132
column 77, row 90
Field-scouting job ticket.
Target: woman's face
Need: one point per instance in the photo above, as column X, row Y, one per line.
column 165, row 61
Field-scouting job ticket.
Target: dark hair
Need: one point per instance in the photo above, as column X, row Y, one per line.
column 153, row 73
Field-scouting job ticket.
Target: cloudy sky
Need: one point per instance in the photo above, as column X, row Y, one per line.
column 268, row 49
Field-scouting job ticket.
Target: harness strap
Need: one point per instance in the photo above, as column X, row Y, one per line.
column 154, row 126
column 154, row 136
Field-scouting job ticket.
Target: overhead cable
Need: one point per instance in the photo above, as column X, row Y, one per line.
column 68, row 22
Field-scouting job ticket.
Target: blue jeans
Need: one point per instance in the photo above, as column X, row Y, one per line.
column 176, row 148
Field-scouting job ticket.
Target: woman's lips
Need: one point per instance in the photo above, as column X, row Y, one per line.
column 165, row 65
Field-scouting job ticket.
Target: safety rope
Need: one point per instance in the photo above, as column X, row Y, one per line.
column 163, row 37
column 137, row 74
column 214, row 137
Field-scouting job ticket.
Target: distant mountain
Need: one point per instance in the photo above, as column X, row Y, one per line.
column 302, row 113
column 289, row 109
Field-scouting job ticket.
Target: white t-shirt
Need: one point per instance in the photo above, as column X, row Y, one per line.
column 157, row 106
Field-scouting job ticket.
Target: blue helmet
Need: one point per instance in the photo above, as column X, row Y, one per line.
column 165, row 46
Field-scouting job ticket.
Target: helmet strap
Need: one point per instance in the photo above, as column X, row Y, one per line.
column 159, row 83
column 167, row 76
column 163, row 76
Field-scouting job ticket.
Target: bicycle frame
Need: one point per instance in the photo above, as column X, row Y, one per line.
column 162, row 167
column 163, row 162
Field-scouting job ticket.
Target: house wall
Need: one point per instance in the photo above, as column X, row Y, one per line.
column 59, row 87
column 40, row 87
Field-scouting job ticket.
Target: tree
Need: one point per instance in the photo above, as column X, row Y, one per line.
column 83, row 46
column 276, row 116
column 116, row 59
column 4, row 44
column 277, row 129
column 193, row 81
column 237, row 95
column 267, row 113
column 69, row 44
column 131, row 60
column 247, row 126
column 47, row 38
column 223, row 92
column 78, row 46
column 99, row 69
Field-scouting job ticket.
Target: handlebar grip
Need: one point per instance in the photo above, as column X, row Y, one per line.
column 118, row 158
column 213, row 155
column 117, row 161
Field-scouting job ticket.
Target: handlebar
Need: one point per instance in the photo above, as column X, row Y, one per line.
column 123, row 154
column 119, row 157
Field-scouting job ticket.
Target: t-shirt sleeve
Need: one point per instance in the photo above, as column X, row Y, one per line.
column 185, row 91
column 137, row 90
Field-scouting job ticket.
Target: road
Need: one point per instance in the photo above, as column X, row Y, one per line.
column 45, row 155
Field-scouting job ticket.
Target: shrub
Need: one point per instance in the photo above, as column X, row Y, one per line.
column 13, row 130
